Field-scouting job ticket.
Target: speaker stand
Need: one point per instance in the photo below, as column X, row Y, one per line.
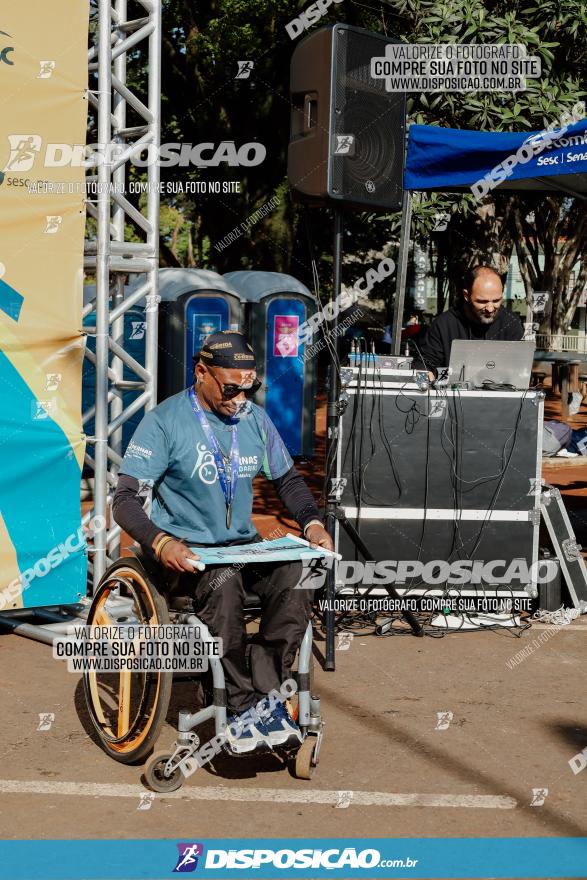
column 333, row 513
column 353, row 534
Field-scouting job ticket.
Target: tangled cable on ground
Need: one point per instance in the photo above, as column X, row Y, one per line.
column 561, row 617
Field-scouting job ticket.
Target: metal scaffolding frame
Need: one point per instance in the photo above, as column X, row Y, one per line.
column 126, row 124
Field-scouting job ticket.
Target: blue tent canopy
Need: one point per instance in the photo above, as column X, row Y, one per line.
column 451, row 159
column 454, row 160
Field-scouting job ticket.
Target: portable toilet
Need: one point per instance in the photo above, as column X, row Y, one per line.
column 276, row 306
column 194, row 303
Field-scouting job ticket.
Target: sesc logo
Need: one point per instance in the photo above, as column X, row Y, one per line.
column 187, row 860
column 5, row 51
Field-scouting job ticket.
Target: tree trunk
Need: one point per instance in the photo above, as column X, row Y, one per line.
column 176, row 228
column 549, row 247
column 190, row 254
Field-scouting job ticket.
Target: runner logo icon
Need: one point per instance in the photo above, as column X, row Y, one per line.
column 187, row 859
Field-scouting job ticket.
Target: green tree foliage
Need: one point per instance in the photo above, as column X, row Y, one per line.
column 202, row 101
column 548, row 233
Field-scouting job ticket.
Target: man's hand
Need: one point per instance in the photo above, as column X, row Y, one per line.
column 318, row 536
column 175, row 555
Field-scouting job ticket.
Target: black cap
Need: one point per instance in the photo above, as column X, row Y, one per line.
column 228, row 349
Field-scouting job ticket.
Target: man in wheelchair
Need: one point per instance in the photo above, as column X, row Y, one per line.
column 198, row 453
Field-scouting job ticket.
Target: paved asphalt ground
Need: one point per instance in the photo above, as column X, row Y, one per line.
column 385, row 769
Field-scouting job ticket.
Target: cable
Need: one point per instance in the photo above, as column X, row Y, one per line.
column 316, row 281
column 458, row 481
column 453, row 445
column 386, row 442
column 561, row 617
column 500, row 477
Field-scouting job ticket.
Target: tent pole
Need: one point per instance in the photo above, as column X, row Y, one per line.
column 402, row 272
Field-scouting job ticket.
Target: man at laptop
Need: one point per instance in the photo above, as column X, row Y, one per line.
column 480, row 315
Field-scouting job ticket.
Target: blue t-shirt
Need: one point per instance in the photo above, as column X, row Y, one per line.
column 170, row 453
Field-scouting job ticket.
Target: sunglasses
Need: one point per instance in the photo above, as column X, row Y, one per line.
column 229, row 390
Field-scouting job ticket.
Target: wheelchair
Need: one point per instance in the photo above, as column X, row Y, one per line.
column 128, row 709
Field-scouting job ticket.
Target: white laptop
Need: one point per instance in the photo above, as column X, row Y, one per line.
column 487, row 363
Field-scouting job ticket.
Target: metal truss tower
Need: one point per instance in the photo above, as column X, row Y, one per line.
column 127, row 121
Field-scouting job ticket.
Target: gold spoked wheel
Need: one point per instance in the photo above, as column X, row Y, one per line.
column 127, row 708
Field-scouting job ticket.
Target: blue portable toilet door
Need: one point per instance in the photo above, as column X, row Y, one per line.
column 284, row 372
column 203, row 315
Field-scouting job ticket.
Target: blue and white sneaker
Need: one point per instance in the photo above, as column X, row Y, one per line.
column 281, row 729
column 243, row 737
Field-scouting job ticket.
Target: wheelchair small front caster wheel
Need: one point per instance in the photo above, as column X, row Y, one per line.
column 155, row 774
column 305, row 764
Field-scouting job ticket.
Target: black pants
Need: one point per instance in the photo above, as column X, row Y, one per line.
column 218, row 596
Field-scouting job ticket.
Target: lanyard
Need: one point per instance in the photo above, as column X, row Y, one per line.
column 220, row 460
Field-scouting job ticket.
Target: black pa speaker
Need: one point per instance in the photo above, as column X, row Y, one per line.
column 347, row 132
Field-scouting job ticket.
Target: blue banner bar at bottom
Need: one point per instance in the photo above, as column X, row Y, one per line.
column 510, row 857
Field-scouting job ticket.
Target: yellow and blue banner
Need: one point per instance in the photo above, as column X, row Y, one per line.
column 43, row 101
